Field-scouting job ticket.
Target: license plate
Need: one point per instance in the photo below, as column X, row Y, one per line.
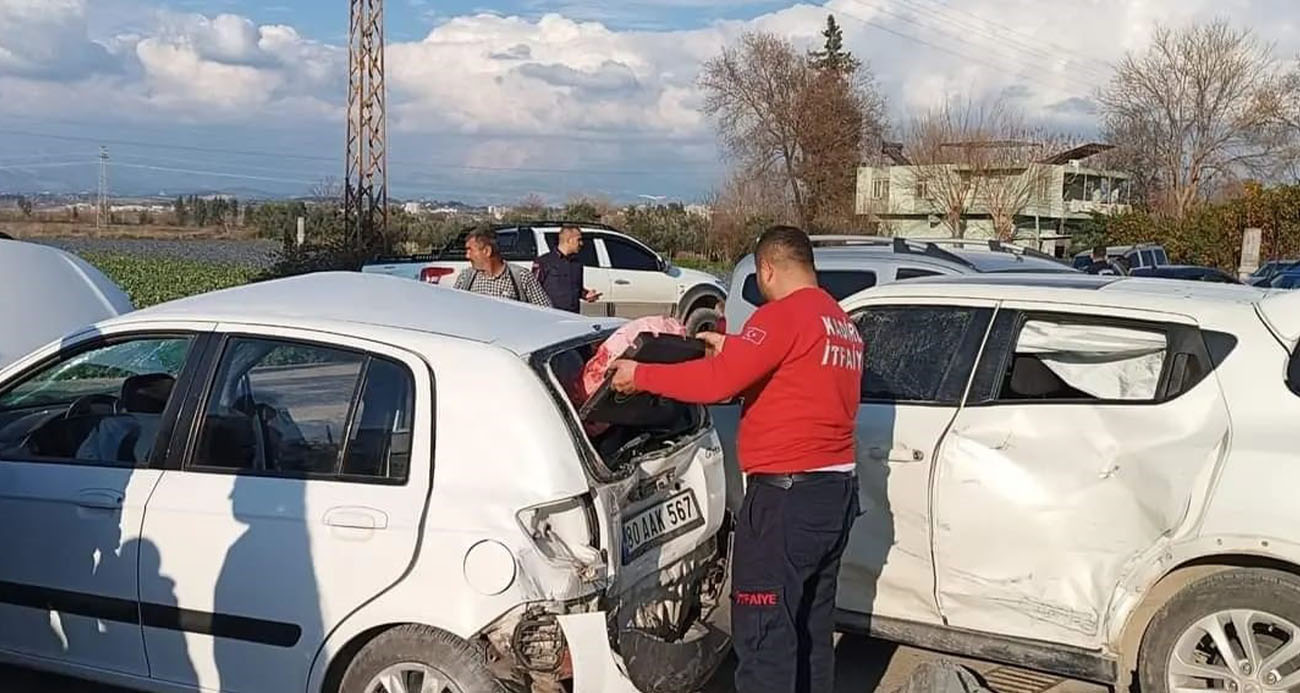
column 660, row 523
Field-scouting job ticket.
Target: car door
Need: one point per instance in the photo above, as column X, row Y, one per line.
column 920, row 356
column 639, row 286
column 297, row 498
column 594, row 276
column 82, row 433
column 1087, row 443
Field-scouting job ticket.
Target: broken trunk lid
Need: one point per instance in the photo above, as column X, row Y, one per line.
column 1281, row 312
column 642, row 410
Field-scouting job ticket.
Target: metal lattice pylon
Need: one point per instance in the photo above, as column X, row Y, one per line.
column 366, row 187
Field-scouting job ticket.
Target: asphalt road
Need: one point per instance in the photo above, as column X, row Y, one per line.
column 862, row 665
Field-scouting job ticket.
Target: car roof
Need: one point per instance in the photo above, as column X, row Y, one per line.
column 977, row 258
column 347, row 301
column 60, row 293
column 1083, row 289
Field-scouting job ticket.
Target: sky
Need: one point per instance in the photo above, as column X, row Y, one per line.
column 491, row 101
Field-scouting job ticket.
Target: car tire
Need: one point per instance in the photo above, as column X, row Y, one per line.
column 702, row 320
column 417, row 651
column 1180, row 644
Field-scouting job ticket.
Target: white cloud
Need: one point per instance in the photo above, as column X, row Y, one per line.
column 47, row 39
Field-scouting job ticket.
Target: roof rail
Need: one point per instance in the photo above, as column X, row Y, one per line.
column 823, row 240
column 545, row 223
column 896, row 243
column 993, row 245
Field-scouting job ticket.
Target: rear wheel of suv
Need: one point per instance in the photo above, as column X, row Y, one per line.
column 1236, row 631
column 418, row 659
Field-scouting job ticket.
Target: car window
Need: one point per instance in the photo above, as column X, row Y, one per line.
column 914, row 273
column 919, row 353
column 515, row 244
column 1148, row 258
column 587, row 253
column 840, row 284
column 1059, row 359
column 102, row 405
column 291, row 409
column 626, row 255
column 1160, row 257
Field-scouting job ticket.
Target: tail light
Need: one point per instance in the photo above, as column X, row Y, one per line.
column 564, row 532
column 434, row 275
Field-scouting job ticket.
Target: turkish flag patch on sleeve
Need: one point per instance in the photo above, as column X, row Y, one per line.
column 754, row 336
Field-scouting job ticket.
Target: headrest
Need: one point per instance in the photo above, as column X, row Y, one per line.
column 146, row 394
column 1031, row 378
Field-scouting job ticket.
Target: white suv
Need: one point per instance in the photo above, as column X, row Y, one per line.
column 633, row 280
column 351, row 483
column 1090, row 476
column 849, row 264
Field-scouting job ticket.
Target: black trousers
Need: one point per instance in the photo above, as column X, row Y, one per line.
column 786, row 560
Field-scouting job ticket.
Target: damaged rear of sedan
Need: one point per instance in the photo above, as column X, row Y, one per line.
column 1089, row 476
column 353, row 484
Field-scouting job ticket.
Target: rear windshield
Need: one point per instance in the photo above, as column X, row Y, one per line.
column 617, row 446
column 516, row 244
column 838, row 283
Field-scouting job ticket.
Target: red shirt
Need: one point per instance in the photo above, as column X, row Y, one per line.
column 798, row 365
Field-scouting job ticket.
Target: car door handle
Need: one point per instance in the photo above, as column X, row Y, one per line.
column 622, row 282
column 902, row 454
column 354, row 517
column 100, row 499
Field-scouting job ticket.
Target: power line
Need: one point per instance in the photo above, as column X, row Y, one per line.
column 317, row 158
column 1002, row 27
column 1021, row 50
column 944, row 49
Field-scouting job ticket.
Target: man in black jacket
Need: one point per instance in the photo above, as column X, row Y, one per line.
column 560, row 272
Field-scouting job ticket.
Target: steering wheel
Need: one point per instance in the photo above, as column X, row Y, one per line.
column 92, row 405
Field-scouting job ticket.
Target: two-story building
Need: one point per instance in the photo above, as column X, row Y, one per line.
column 1053, row 196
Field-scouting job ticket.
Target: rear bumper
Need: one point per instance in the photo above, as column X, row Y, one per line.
column 596, row 669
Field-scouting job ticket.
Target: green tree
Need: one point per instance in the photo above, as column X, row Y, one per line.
column 25, row 204
column 182, row 212
column 832, row 56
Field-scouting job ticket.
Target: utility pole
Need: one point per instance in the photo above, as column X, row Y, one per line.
column 365, row 205
column 101, row 203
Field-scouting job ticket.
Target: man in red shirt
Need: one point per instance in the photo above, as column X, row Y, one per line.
column 797, row 364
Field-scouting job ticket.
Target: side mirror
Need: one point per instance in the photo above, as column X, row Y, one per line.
column 664, row 265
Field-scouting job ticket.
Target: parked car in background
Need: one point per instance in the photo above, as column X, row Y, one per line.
column 235, row 491
column 1082, row 475
column 1186, row 272
column 52, row 293
column 849, row 264
column 1131, row 257
column 1269, row 270
column 1285, row 280
column 634, row 281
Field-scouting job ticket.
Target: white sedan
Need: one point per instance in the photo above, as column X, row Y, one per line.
column 354, row 483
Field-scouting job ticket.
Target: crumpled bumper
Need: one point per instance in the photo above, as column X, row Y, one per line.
column 596, row 668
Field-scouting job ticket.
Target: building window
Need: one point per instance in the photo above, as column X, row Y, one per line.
column 922, row 190
column 879, row 188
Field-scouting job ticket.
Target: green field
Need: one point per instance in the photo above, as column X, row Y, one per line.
column 153, row 280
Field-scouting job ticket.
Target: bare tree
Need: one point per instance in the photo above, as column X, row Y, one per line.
column 1200, row 107
column 1014, row 177
column 803, row 118
column 949, row 152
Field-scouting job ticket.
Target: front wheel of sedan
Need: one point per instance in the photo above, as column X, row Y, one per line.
column 417, row 659
column 1236, row 631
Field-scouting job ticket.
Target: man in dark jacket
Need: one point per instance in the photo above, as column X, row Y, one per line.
column 560, row 272
column 1101, row 263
